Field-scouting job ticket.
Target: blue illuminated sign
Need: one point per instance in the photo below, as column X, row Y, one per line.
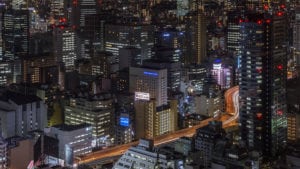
column 151, row 73
column 166, row 35
column 124, row 121
column 218, row 61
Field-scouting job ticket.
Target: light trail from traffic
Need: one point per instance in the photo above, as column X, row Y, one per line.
column 230, row 106
column 231, row 95
column 232, row 101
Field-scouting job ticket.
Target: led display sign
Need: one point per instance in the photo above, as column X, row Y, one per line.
column 142, row 96
column 124, row 121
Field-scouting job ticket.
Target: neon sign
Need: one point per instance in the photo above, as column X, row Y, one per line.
column 151, row 73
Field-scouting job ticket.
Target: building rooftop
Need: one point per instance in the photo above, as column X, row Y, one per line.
column 17, row 98
column 65, row 127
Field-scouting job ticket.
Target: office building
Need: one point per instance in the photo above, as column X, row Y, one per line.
column 228, row 155
column 169, row 44
column 99, row 65
column 16, row 148
column 91, row 36
column 173, row 72
column 96, row 110
column 74, row 140
column 6, row 74
column 196, row 24
column 85, row 49
column 125, row 116
column 191, row 119
column 15, row 34
column 149, row 83
column 233, row 31
column 81, row 9
column 168, row 54
column 142, row 156
column 64, row 40
column 206, row 138
column 194, row 75
column 293, row 124
column 182, row 7
column 21, row 114
column 222, row 73
column 129, row 57
column 3, row 153
column 121, row 36
column 296, row 34
column 293, row 111
column 292, row 156
column 235, row 17
column 152, row 120
column 18, row 4
column 57, row 8
column 42, row 69
column 124, row 129
column 122, row 84
column 209, row 103
column 262, row 82
column 184, row 145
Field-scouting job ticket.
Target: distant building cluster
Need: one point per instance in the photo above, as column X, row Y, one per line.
column 80, row 77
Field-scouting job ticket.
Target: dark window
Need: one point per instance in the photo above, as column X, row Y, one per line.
column 38, row 104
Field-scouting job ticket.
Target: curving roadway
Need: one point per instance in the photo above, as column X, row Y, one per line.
column 232, row 99
column 232, row 104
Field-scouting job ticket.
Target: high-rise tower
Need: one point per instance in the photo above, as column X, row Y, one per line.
column 121, row 36
column 81, row 9
column 64, row 49
column 296, row 34
column 196, row 37
column 262, row 82
column 15, row 34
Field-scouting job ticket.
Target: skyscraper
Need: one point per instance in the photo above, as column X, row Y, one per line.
column 262, row 82
column 296, row 34
column 96, row 110
column 82, row 8
column 15, row 33
column 64, row 46
column 149, row 83
column 121, row 36
column 196, row 37
column 154, row 116
column 57, row 8
column 233, row 32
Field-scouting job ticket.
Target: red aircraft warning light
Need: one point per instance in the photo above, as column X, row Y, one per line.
column 279, row 13
column 279, row 112
column 259, row 116
column 259, row 21
column 75, row 2
column 259, row 70
column 279, row 67
column 266, row 7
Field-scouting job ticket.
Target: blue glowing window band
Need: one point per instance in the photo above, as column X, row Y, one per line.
column 124, row 121
column 151, row 73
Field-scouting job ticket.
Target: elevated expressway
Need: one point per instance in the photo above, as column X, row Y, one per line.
column 231, row 98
